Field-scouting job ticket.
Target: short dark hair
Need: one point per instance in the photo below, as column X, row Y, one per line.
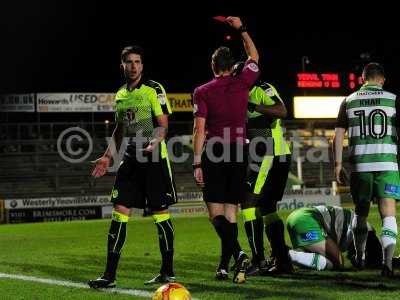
column 238, row 68
column 222, row 59
column 131, row 50
column 372, row 71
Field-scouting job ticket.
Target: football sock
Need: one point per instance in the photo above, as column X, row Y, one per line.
column 222, row 227
column 388, row 237
column 360, row 230
column 275, row 231
column 116, row 239
column 313, row 261
column 166, row 242
column 233, row 240
column 254, row 227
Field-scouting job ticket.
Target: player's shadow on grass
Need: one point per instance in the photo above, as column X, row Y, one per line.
column 131, row 267
column 360, row 280
column 252, row 292
column 206, row 263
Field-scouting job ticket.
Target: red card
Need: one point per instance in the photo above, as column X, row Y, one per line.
column 220, row 18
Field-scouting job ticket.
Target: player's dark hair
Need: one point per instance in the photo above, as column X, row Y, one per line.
column 131, row 50
column 222, row 59
column 372, row 71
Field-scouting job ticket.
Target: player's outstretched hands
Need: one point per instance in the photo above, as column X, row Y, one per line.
column 235, row 22
column 100, row 166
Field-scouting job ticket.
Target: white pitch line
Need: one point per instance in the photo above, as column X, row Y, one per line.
column 139, row 293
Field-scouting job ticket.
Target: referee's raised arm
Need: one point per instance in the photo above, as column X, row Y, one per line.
column 249, row 45
column 219, row 140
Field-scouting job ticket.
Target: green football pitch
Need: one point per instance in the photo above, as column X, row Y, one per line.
column 74, row 252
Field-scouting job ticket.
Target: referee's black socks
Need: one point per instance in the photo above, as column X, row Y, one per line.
column 236, row 249
column 228, row 233
column 116, row 239
column 166, row 241
column 222, row 227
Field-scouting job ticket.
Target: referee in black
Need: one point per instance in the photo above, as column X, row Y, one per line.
column 220, row 116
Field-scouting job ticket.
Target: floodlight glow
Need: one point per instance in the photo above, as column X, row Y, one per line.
column 317, row 107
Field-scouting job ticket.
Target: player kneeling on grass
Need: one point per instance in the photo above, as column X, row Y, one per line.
column 144, row 178
column 323, row 233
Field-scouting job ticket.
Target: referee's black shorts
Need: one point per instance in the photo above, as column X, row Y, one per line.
column 144, row 185
column 224, row 179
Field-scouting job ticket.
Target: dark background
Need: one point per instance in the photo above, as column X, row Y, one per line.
column 75, row 47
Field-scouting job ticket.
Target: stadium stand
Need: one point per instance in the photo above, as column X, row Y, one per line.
column 31, row 166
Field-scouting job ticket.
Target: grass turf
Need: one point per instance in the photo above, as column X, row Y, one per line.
column 75, row 251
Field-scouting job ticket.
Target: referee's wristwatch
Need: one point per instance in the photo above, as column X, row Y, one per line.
column 242, row 28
